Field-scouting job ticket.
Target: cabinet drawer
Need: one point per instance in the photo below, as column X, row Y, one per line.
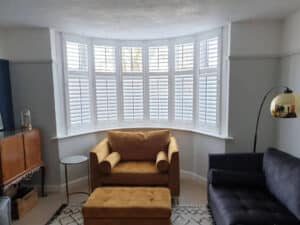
column 12, row 158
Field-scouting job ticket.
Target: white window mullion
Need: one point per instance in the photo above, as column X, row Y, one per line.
column 196, row 83
column 92, row 83
column 171, row 82
column 146, row 82
column 119, row 84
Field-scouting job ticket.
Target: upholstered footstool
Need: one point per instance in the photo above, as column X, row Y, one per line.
column 128, row 206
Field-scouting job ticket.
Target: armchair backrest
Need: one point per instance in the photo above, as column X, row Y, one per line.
column 139, row 145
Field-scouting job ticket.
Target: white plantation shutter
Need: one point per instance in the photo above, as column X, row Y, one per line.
column 184, row 97
column 158, row 96
column 209, row 81
column 105, row 83
column 158, row 59
column 133, row 97
column 161, row 82
column 105, row 59
column 184, row 57
column 132, row 60
column 79, row 108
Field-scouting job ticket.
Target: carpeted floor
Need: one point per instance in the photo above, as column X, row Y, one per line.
column 181, row 215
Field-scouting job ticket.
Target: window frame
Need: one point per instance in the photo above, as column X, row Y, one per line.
column 145, row 122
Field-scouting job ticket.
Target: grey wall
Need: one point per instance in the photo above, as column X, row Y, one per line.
column 250, row 79
column 32, row 88
column 287, row 135
column 254, row 69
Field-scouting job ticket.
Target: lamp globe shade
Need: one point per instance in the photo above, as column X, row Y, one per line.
column 286, row 105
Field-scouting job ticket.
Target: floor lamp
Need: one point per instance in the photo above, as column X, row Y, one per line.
column 284, row 105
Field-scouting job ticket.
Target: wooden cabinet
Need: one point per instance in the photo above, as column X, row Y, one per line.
column 12, row 158
column 20, row 155
column 32, row 149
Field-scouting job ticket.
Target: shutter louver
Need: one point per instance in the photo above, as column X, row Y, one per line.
column 133, row 98
column 158, row 97
column 132, row 60
column 184, row 57
column 158, row 59
column 104, row 57
column 208, row 81
column 78, row 83
column 184, row 97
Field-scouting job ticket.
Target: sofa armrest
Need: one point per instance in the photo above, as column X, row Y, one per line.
column 229, row 178
column 248, row 162
column 5, row 210
column 174, row 169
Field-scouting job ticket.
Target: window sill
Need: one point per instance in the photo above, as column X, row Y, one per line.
column 195, row 131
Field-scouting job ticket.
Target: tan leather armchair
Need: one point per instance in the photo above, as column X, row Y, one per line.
column 135, row 161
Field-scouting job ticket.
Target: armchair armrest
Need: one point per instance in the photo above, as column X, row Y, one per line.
column 172, row 150
column 97, row 155
column 109, row 162
column 162, row 162
column 174, row 169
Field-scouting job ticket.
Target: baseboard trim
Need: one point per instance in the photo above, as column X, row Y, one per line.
column 84, row 180
column 194, row 176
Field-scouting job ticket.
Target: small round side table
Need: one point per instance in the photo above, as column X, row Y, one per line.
column 72, row 160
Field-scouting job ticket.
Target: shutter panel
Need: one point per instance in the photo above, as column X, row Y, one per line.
column 105, row 83
column 158, row 59
column 209, row 81
column 104, row 57
column 132, row 60
column 184, row 97
column 158, row 97
column 184, row 57
column 106, row 98
column 133, row 97
column 78, row 83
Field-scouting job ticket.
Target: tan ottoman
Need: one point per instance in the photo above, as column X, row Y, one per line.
column 128, row 206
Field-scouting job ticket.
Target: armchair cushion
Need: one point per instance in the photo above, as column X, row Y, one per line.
column 109, row 162
column 139, row 146
column 162, row 162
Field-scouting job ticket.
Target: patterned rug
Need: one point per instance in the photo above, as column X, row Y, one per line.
column 181, row 215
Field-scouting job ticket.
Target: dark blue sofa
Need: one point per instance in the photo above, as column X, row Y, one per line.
column 254, row 189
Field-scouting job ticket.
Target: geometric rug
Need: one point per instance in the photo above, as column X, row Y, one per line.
column 181, row 215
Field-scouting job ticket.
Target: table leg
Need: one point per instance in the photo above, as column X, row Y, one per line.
column 43, row 181
column 89, row 181
column 67, row 183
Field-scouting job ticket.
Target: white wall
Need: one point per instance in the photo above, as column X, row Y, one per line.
column 254, row 66
column 288, row 130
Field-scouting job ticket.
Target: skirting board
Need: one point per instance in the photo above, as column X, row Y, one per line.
column 84, row 181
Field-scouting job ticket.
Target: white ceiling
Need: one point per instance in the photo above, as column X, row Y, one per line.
column 138, row 19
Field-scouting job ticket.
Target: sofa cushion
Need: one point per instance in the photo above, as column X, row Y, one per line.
column 282, row 173
column 135, row 173
column 139, row 146
column 236, row 206
column 235, row 178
